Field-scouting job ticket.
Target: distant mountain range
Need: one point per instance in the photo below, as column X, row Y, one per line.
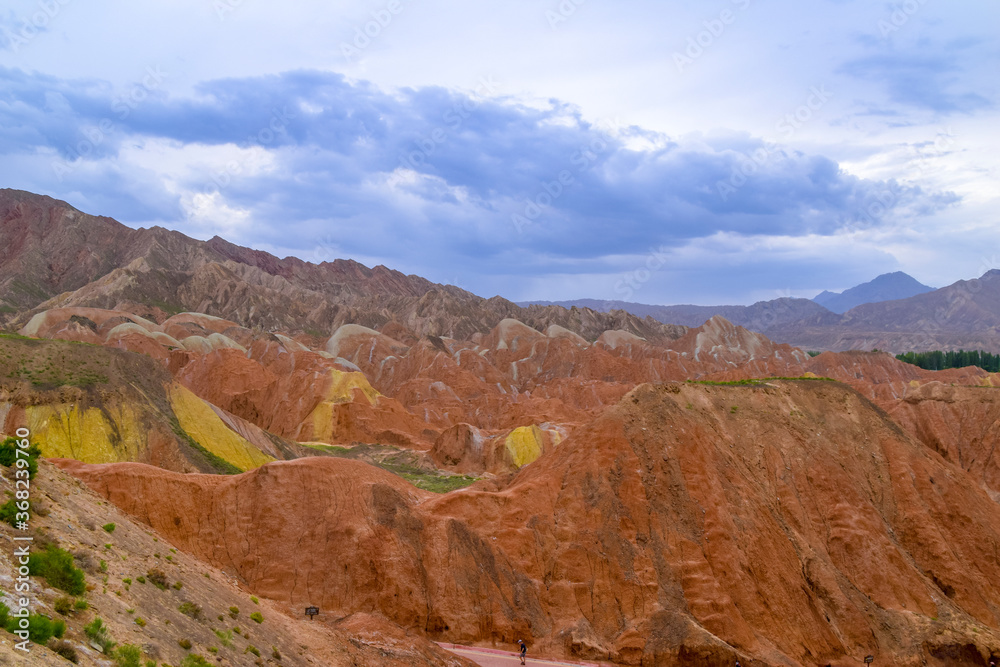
column 52, row 255
column 55, row 256
column 887, row 287
column 893, row 312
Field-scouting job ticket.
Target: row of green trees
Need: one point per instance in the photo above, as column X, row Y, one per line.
column 938, row 360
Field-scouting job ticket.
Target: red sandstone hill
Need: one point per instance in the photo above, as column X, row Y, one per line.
column 788, row 523
column 54, row 256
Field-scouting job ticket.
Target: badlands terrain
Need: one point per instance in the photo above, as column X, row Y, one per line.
column 427, row 466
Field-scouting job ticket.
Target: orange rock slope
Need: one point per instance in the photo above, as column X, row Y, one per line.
column 789, row 523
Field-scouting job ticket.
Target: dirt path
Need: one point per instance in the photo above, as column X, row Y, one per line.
column 496, row 658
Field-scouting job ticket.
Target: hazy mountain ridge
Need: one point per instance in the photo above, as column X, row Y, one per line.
column 55, row 256
column 964, row 315
column 886, row 287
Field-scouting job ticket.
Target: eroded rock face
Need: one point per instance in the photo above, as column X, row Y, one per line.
column 792, row 523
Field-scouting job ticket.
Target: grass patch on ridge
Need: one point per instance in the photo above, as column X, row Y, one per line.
column 756, row 382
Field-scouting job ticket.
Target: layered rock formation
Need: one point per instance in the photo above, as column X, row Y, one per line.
column 784, row 523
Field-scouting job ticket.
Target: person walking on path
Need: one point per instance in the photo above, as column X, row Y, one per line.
column 524, row 649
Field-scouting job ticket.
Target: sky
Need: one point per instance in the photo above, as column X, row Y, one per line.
column 663, row 152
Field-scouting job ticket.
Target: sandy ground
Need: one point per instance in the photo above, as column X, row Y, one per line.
column 495, row 658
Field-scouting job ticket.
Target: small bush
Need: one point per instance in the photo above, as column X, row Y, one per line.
column 141, row 579
column 98, row 633
column 128, row 655
column 110, row 528
column 275, row 654
column 253, row 598
column 194, row 660
column 178, row 585
column 8, row 512
column 234, row 612
column 252, row 649
column 40, row 628
column 225, row 637
column 65, row 649
column 158, row 578
column 56, row 565
column 189, row 608
column 8, row 456
column 140, row 621
column 63, row 605
column 84, row 560
column 213, row 650
column 184, row 644
column 104, row 566
column 257, row 617
column 80, row 604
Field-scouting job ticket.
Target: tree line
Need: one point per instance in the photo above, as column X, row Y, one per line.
column 937, row 360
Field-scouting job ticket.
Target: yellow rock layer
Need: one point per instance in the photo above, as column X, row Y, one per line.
column 199, row 420
column 340, row 390
column 524, row 444
column 343, row 384
column 66, row 431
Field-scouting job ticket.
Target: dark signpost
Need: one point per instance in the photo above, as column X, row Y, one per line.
column 311, row 611
column 869, row 659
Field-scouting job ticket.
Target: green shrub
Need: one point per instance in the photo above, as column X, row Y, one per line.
column 158, row 578
column 103, row 566
column 40, row 628
column 98, row 633
column 178, row 585
column 128, row 655
column 225, row 637
column 8, row 456
column 234, row 612
column 275, row 654
column 213, row 650
column 184, row 644
column 65, row 649
column 110, row 528
column 9, row 510
column 253, row 598
column 56, row 565
column 140, row 621
column 63, row 605
column 141, row 579
column 80, row 604
column 252, row 649
column 256, row 617
column 194, row 660
column 189, row 608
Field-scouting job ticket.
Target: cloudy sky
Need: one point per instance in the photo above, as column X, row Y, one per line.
column 722, row 151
